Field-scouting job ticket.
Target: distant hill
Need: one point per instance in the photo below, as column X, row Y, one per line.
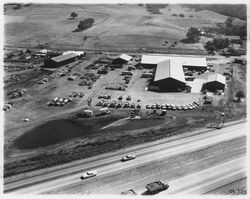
column 232, row 10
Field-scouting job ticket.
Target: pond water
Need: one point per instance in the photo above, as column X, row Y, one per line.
column 55, row 131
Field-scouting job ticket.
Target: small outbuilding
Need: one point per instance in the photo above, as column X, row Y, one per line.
column 122, row 59
column 215, row 82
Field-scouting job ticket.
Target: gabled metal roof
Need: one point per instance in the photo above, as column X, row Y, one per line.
column 169, row 69
column 216, row 78
column 64, row 57
column 125, row 57
column 184, row 61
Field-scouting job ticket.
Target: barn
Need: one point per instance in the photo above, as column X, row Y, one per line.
column 122, row 59
column 61, row 60
column 215, row 82
column 169, row 76
column 191, row 63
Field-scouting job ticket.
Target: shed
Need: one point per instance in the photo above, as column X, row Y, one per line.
column 215, row 82
column 122, row 59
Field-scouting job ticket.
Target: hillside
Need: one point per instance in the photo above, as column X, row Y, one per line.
column 117, row 27
column 225, row 9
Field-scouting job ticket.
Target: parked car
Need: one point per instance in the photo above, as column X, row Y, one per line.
column 148, row 106
column 120, row 98
column 89, row 174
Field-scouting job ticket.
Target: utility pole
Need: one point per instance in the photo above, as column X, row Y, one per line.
column 96, row 45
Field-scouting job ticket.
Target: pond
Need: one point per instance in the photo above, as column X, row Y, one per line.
column 56, row 131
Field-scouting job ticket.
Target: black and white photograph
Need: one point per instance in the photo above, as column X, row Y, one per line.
column 124, row 98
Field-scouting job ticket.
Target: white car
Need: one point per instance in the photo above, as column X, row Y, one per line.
column 89, row 174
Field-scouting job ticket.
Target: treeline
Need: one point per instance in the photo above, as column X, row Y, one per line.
column 229, row 28
column 233, row 10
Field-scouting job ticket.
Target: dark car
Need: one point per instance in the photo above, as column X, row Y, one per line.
column 128, row 157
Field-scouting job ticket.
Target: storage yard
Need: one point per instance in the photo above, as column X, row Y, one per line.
column 70, row 99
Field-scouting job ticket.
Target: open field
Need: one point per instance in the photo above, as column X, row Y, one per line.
column 116, row 26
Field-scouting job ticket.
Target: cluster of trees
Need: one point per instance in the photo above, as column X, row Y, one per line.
column 217, row 44
column 192, row 36
column 228, row 28
column 155, row 8
column 85, row 24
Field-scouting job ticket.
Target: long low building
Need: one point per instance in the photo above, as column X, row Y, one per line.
column 169, row 76
column 191, row 63
column 62, row 59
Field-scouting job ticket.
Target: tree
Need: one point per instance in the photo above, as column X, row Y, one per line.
column 240, row 94
column 243, row 32
column 85, row 24
column 193, row 35
column 229, row 22
column 74, row 15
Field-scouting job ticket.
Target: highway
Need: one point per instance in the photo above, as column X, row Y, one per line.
column 110, row 166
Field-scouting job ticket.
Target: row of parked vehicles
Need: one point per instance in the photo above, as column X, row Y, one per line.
column 59, row 101
column 173, row 107
column 117, row 104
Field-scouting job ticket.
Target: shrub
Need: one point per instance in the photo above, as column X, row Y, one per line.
column 240, row 94
column 73, row 15
column 181, row 15
column 175, row 15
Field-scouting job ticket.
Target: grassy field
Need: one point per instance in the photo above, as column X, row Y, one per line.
column 117, row 26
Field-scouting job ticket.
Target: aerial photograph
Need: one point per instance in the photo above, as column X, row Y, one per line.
column 144, row 99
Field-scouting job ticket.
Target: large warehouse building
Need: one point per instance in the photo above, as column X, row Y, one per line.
column 191, row 63
column 215, row 82
column 62, row 60
column 169, row 76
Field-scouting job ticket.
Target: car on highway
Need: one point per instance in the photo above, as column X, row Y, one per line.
column 128, row 157
column 88, row 174
column 129, row 192
column 155, row 187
